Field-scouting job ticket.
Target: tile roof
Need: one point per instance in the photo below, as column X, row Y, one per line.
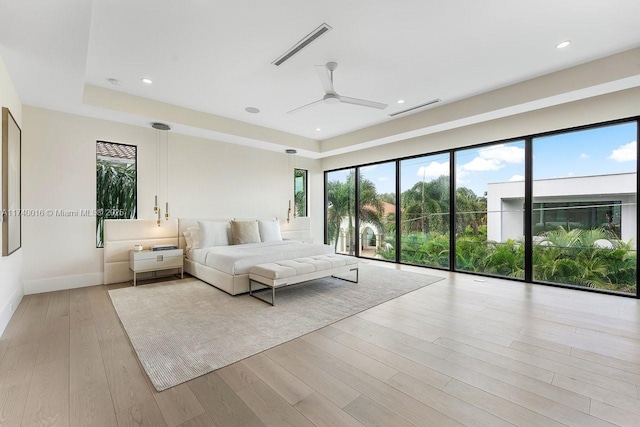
column 118, row 151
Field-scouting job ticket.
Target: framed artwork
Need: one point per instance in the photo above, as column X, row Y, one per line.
column 11, row 170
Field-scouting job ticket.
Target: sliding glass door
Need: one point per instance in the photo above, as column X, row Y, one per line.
column 377, row 210
column 425, row 219
column 584, row 208
column 341, row 210
column 489, row 209
column 557, row 208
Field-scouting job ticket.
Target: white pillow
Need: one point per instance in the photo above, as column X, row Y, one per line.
column 269, row 230
column 213, row 233
column 188, row 239
column 194, row 235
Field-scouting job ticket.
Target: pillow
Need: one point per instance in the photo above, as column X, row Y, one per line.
column 245, row 232
column 194, row 234
column 188, row 239
column 269, row 230
column 213, row 233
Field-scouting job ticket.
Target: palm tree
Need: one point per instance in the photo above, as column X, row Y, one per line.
column 425, row 207
column 342, row 204
column 115, row 195
column 340, row 199
column 471, row 211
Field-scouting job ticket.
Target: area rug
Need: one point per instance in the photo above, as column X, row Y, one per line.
column 186, row 328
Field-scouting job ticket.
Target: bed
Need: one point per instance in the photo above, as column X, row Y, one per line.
column 226, row 266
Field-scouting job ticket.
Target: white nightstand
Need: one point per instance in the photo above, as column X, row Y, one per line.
column 143, row 261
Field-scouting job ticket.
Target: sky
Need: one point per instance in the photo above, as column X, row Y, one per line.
column 604, row 150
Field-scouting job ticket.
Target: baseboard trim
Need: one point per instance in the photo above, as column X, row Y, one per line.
column 63, row 282
column 9, row 308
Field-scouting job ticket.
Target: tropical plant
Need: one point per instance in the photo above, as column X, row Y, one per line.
column 342, row 204
column 115, row 194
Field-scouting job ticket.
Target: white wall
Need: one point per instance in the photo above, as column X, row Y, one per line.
column 206, row 179
column 11, row 289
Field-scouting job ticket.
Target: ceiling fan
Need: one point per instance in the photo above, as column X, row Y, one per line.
column 325, row 72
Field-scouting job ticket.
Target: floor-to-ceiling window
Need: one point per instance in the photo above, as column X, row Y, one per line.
column 340, row 190
column 489, row 206
column 584, row 208
column 557, row 208
column 377, row 210
column 425, row 219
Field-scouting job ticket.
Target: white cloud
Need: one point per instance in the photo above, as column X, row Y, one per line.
column 494, row 158
column 584, row 156
column 503, row 153
column 482, row 164
column 368, row 168
column 516, row 178
column 434, row 170
column 383, row 178
column 625, row 153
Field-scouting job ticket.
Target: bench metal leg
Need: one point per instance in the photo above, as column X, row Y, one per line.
column 273, row 293
column 349, row 280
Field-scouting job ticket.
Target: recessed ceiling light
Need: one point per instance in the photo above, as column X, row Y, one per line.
column 147, row 81
column 252, row 110
column 115, row 82
column 318, row 129
column 400, row 101
column 563, row 44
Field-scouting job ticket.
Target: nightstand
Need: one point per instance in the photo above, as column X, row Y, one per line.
column 143, row 261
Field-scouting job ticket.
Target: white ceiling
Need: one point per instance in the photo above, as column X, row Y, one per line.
column 215, row 56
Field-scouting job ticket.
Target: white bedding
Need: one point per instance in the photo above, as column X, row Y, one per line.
column 238, row 259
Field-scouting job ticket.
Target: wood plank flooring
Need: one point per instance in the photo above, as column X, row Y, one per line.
column 464, row 351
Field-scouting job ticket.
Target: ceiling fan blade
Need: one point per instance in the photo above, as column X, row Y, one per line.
column 304, row 107
column 325, row 78
column 363, row 102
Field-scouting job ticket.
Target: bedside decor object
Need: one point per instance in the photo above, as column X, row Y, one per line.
column 11, row 176
column 137, row 248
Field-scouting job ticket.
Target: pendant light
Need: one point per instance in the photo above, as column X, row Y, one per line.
column 156, row 209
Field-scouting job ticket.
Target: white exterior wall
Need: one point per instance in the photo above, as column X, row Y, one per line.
column 505, row 201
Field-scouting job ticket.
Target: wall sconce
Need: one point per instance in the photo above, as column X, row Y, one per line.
column 292, row 154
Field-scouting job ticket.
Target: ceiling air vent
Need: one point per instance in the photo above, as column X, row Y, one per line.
column 433, row 101
column 306, row 41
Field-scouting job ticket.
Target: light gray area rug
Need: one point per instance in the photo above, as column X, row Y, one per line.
column 186, row 328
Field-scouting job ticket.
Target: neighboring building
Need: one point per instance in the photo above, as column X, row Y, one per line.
column 583, row 202
column 370, row 234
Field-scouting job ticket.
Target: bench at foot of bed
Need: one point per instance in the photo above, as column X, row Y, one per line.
column 284, row 273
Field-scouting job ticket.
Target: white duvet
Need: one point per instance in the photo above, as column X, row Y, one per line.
column 238, row 259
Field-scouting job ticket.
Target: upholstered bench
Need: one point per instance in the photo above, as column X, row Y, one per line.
column 289, row 272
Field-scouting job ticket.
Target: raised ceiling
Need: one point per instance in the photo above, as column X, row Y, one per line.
column 214, row 58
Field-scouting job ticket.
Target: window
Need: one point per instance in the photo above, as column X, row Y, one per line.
column 489, row 209
column 300, row 192
column 377, row 210
column 425, row 222
column 341, row 210
column 559, row 208
column 116, row 184
column 584, row 208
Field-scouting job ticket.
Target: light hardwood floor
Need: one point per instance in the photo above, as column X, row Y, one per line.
column 464, row 351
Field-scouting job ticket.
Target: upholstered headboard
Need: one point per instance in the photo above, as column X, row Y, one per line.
column 297, row 230
column 122, row 234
